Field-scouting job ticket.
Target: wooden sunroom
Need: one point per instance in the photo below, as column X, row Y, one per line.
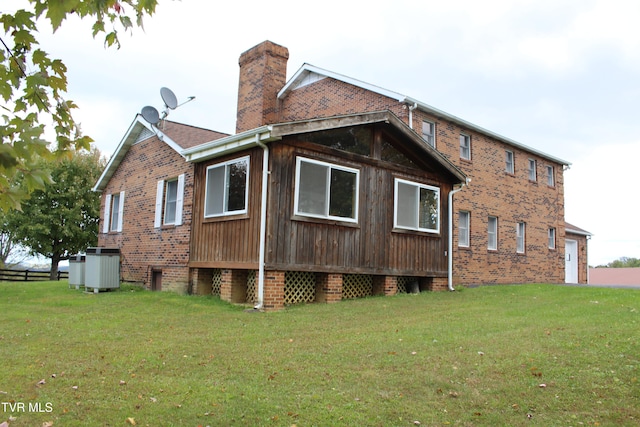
column 320, row 210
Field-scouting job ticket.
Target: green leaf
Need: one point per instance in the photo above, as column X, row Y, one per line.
column 111, row 39
column 58, row 10
column 98, row 27
column 24, row 38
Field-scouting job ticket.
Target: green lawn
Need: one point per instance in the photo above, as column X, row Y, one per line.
column 529, row 355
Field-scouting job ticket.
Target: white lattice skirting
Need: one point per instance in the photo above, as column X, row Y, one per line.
column 299, row 286
column 216, row 281
column 356, row 285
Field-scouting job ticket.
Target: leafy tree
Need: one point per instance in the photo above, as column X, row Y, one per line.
column 11, row 252
column 62, row 218
column 33, row 85
column 624, row 262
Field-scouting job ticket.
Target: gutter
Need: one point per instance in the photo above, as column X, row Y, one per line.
column 450, row 243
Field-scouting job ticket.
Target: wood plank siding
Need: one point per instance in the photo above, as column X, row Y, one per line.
column 371, row 246
column 227, row 241
column 302, row 243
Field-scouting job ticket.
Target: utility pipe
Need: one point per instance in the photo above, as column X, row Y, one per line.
column 263, row 221
column 450, row 253
column 411, row 108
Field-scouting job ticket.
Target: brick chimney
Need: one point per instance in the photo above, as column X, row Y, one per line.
column 263, row 72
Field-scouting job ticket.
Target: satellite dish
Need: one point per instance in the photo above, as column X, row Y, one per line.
column 150, row 114
column 169, row 98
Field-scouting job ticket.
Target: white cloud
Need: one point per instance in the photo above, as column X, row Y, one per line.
column 601, row 196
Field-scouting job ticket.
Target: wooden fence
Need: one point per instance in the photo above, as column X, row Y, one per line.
column 29, row 275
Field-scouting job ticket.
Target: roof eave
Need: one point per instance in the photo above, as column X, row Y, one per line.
column 308, row 68
column 468, row 125
column 229, row 144
column 127, row 141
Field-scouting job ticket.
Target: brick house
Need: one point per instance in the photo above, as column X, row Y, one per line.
column 147, row 193
column 507, row 223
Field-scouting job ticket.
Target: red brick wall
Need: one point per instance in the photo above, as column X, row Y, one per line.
column 263, row 72
column 328, row 287
column 273, row 290
column 142, row 246
column 511, row 198
column 329, row 97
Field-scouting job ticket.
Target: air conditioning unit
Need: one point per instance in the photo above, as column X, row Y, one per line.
column 76, row 271
column 102, row 269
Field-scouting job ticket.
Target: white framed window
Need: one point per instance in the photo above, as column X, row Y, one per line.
column 227, row 186
column 416, row 206
column 509, row 168
column 464, row 222
column 492, row 233
column 520, row 242
column 550, row 176
column 465, row 147
column 169, row 202
column 113, row 212
column 326, row 190
column 552, row 238
column 533, row 175
column 429, row 132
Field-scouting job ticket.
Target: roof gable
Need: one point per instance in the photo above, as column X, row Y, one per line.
column 308, row 74
column 265, row 134
column 178, row 136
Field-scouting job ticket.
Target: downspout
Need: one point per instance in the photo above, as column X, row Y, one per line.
column 411, row 108
column 586, row 249
column 450, row 246
column 263, row 221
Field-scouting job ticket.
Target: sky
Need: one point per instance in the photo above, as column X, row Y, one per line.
column 561, row 76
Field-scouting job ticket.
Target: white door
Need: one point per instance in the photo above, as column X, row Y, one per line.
column 570, row 261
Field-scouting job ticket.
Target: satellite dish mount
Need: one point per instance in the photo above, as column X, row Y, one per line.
column 151, row 114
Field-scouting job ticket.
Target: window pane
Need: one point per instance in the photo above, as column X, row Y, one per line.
column 170, row 202
column 465, row 150
column 236, row 186
column 115, row 211
column 342, row 199
column 493, row 233
column 407, row 205
column 427, row 133
column 463, row 229
column 532, row 170
column 354, row 140
column 214, row 200
column 520, row 237
column 550, row 175
column 312, row 194
column 509, row 156
column 389, row 153
column 428, row 209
